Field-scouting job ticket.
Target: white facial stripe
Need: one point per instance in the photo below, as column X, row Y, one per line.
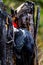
column 15, row 29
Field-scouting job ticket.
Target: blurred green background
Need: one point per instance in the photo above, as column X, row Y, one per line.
column 15, row 4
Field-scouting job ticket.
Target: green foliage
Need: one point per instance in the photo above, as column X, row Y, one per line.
column 15, row 1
